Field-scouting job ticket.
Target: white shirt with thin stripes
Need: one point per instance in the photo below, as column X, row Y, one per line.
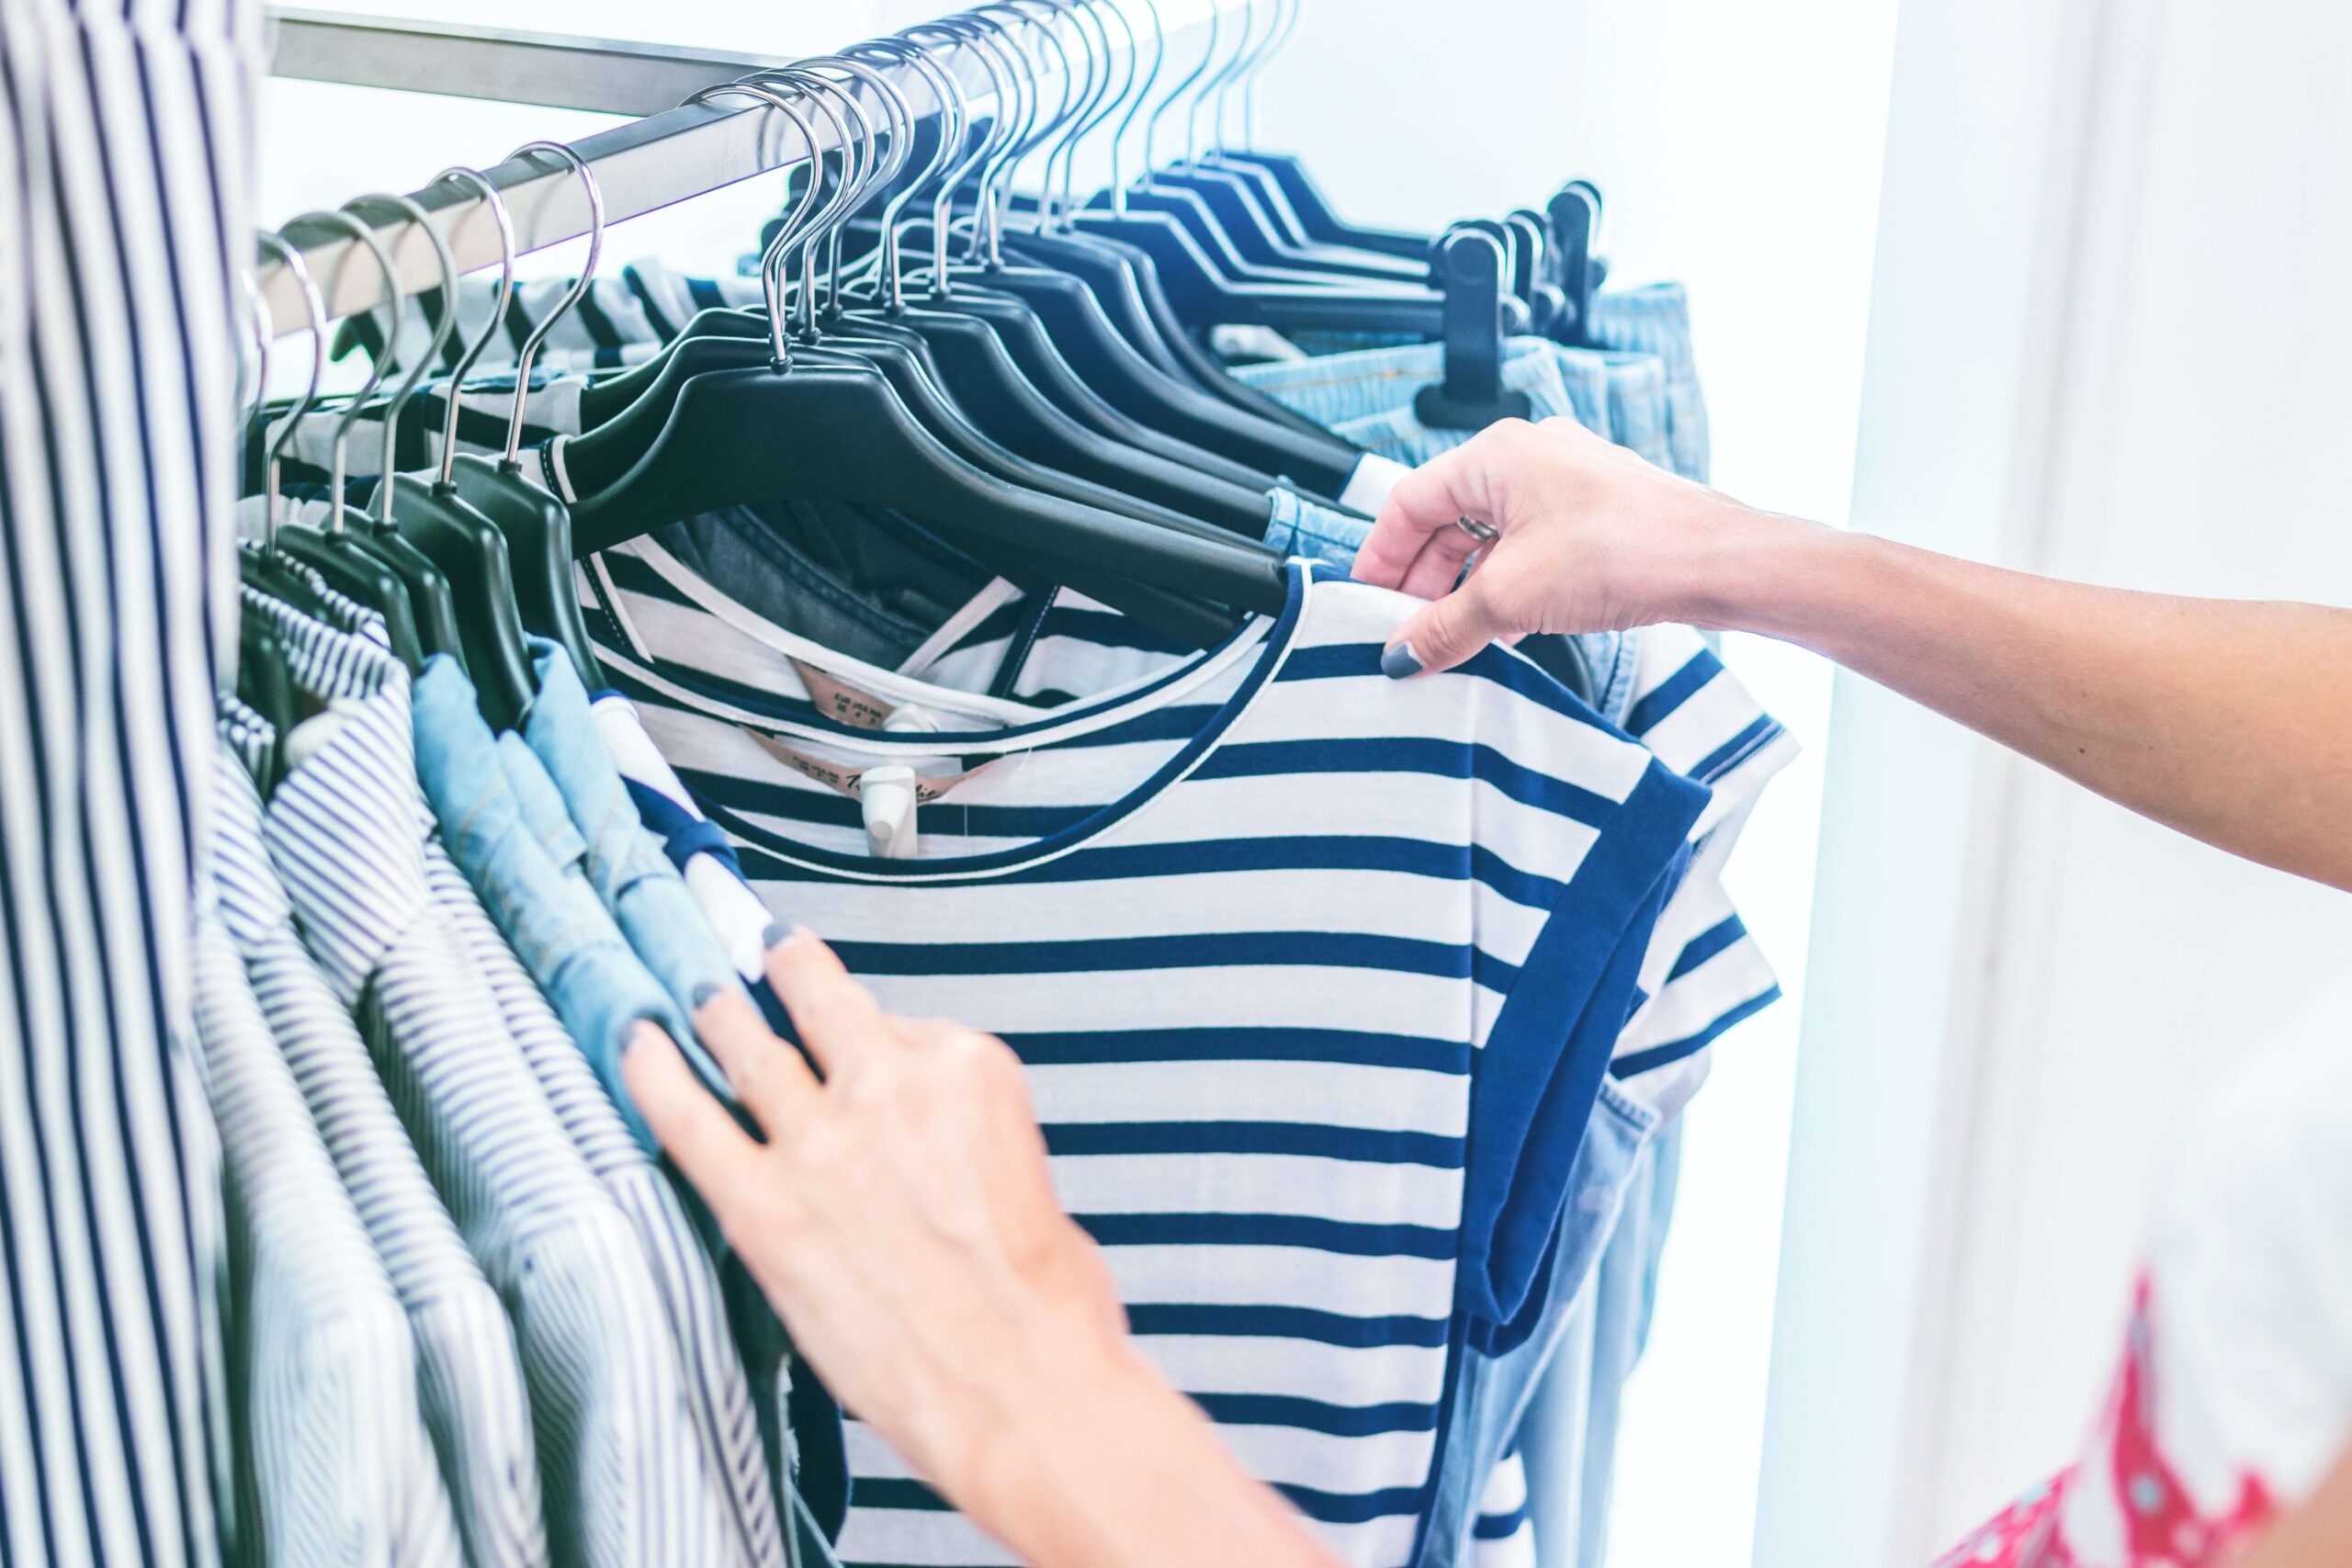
column 123, row 211
column 333, row 1463
column 470, row 1374
column 627, row 1480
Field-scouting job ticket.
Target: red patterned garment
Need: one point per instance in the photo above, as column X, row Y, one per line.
column 2125, row 1496
column 2235, row 1394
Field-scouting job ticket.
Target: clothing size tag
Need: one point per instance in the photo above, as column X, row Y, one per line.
column 841, row 702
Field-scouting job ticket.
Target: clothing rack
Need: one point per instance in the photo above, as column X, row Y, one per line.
column 669, row 155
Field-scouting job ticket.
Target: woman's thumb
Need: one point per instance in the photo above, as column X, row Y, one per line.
column 1445, row 633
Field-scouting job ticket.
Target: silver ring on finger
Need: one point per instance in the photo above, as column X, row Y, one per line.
column 1486, row 533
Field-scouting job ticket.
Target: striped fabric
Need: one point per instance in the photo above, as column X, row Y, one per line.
column 470, row 1377
column 123, row 186
column 672, row 636
column 717, row 1392
column 1292, row 953
column 669, row 636
column 627, row 1482
column 333, row 1465
column 1504, row 1536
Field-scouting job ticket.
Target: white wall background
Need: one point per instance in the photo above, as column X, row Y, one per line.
column 2106, row 336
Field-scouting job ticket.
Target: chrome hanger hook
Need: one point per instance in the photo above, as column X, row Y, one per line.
column 1098, row 106
column 821, row 93
column 578, row 290
column 974, row 34
column 773, row 262
column 442, row 332
column 1016, row 111
column 882, row 163
column 1110, row 105
column 492, row 199
column 1214, row 94
column 954, row 116
column 315, row 307
column 1288, row 13
column 392, row 296
column 996, row 187
column 1143, row 97
column 1151, row 126
column 1077, row 106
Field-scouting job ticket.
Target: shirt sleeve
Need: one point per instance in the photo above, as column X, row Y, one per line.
column 1574, row 888
column 1705, row 971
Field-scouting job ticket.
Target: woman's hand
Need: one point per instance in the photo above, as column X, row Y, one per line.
column 901, row 1218
column 1591, row 539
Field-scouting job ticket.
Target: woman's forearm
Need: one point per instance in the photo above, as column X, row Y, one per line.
column 2229, row 721
column 2225, row 720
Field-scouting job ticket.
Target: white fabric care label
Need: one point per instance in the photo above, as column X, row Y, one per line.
column 1370, row 486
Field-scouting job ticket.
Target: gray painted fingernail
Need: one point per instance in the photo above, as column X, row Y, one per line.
column 706, row 994
column 775, row 936
column 1400, row 662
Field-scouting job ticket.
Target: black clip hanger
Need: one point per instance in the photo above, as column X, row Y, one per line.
column 1478, row 314
column 1575, row 220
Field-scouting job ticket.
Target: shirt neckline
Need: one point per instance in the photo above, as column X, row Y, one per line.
column 1271, row 644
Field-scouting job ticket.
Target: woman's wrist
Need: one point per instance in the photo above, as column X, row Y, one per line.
column 1104, row 1464
column 1757, row 571
column 1047, row 1479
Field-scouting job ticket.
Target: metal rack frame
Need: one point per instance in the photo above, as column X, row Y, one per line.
column 670, row 155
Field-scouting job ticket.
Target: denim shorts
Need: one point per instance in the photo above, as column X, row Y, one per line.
column 1656, row 321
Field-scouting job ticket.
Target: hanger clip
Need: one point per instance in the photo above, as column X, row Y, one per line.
column 1478, row 315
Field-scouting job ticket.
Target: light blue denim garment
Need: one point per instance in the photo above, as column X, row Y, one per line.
column 1656, row 321
column 626, row 864
column 1367, row 397
column 564, row 937
column 1496, row 1383
column 1569, row 1440
column 1319, row 533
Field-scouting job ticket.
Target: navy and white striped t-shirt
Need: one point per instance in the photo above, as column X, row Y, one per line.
column 1312, row 973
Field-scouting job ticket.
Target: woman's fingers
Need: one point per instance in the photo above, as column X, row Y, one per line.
column 838, row 1018
column 767, row 1075
column 692, row 1126
column 1424, row 515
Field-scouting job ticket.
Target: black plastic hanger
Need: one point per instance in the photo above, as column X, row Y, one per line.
column 832, row 433
column 336, row 552
column 535, row 524
column 1575, row 215
column 840, row 431
column 266, row 684
column 1147, row 392
column 418, row 517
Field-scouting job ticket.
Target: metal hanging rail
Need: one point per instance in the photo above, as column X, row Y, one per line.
column 667, row 157
column 551, row 70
